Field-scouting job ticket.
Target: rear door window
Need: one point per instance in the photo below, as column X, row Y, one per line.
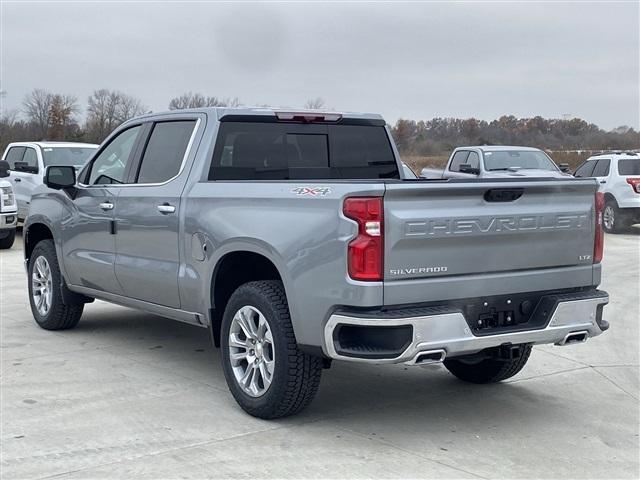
column 630, row 166
column 458, row 159
column 289, row 151
column 165, row 151
column 602, row 168
column 585, row 169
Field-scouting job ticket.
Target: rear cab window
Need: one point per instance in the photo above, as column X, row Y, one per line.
column 248, row 150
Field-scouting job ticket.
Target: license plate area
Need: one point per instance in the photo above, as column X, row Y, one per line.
column 509, row 313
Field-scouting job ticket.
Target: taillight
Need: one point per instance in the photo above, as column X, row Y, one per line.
column 598, row 242
column 635, row 184
column 365, row 254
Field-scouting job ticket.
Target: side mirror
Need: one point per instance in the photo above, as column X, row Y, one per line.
column 60, row 177
column 564, row 167
column 467, row 168
column 4, row 168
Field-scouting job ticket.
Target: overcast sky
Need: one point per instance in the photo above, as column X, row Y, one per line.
column 410, row 60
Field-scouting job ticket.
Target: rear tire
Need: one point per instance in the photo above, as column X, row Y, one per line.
column 613, row 221
column 270, row 349
column 45, row 290
column 489, row 370
column 7, row 242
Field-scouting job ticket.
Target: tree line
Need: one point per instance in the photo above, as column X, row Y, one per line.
column 53, row 116
column 441, row 135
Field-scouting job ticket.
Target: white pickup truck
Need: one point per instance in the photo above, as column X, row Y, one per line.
column 28, row 161
column 490, row 161
column 8, row 209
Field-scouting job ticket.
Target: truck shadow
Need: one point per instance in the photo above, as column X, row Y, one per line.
column 364, row 393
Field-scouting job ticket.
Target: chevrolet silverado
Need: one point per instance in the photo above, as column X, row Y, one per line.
column 296, row 239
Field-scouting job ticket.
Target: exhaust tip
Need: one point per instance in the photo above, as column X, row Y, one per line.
column 429, row 357
column 574, row 337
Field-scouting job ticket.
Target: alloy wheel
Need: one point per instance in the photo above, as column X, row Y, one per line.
column 42, row 285
column 608, row 217
column 251, row 351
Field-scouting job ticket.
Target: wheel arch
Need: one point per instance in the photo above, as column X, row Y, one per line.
column 233, row 269
column 34, row 233
column 608, row 196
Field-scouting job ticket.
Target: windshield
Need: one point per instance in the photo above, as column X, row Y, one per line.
column 524, row 159
column 629, row 167
column 76, row 156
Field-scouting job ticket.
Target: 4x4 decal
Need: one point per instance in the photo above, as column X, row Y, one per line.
column 312, row 191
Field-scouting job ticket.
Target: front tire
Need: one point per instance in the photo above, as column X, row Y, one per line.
column 45, row 290
column 267, row 374
column 7, row 242
column 488, row 370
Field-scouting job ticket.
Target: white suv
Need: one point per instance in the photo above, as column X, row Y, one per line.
column 619, row 177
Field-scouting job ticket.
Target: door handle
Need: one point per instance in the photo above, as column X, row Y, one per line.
column 106, row 206
column 17, row 180
column 166, row 208
column 603, row 181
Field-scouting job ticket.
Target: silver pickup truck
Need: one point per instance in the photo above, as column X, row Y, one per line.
column 498, row 161
column 296, row 239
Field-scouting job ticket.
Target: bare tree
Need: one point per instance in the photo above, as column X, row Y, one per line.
column 62, row 113
column 197, row 100
column 129, row 107
column 37, row 108
column 187, row 100
column 314, row 103
column 107, row 109
column 8, row 118
column 231, row 102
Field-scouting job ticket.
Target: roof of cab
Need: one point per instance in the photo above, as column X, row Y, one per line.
column 498, row 148
column 52, row 144
column 221, row 112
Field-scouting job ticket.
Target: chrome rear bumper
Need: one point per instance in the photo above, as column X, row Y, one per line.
column 572, row 321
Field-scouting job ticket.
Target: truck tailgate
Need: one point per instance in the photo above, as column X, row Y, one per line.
column 452, row 230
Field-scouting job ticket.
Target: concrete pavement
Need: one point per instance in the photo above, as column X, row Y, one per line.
column 131, row 395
